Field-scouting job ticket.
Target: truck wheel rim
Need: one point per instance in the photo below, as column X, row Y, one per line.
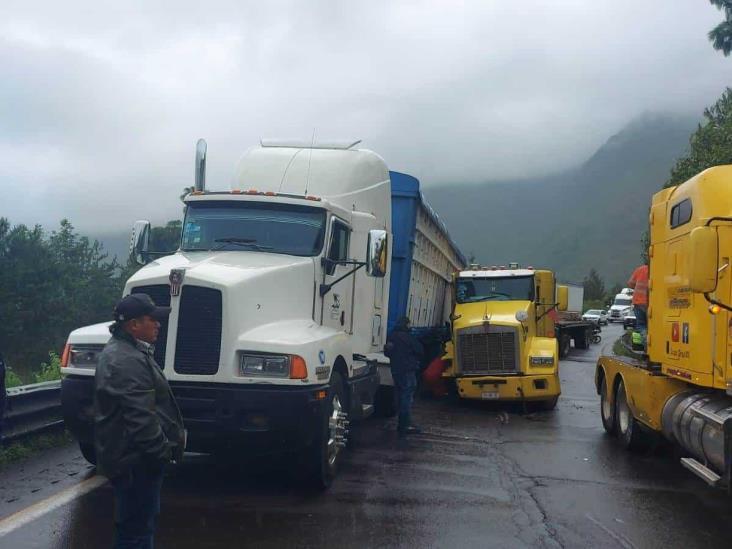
column 336, row 431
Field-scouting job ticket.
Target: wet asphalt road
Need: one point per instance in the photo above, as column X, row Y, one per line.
column 480, row 476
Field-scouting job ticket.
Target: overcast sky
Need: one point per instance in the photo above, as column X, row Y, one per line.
column 101, row 102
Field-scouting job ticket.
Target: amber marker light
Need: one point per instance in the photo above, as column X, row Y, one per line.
column 321, row 395
column 65, row 356
column 715, row 309
column 298, row 369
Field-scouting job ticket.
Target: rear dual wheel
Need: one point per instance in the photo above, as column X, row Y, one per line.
column 629, row 430
column 607, row 408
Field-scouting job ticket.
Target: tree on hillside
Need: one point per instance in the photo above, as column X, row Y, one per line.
column 594, row 286
column 721, row 35
column 711, row 143
column 49, row 285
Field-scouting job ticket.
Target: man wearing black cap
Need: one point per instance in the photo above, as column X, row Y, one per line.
column 138, row 428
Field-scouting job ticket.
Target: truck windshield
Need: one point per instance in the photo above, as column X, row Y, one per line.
column 515, row 288
column 624, row 301
column 259, row 226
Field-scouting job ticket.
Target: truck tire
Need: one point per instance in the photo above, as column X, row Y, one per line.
column 385, row 401
column 87, row 450
column 323, row 456
column 629, row 430
column 547, row 405
column 564, row 345
column 582, row 340
column 607, row 408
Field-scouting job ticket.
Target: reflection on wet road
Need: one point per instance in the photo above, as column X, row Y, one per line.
column 480, row 476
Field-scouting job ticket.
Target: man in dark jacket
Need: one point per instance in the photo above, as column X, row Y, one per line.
column 138, row 428
column 404, row 352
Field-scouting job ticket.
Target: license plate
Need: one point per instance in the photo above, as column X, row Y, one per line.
column 489, row 395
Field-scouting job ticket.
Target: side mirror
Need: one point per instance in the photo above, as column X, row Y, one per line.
column 140, row 242
column 562, row 298
column 377, row 253
column 703, row 260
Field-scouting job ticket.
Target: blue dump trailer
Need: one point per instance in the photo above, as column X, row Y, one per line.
column 423, row 259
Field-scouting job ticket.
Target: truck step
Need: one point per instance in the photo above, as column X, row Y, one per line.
column 367, row 410
column 702, row 471
column 711, row 417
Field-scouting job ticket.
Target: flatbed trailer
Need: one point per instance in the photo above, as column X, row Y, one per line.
column 577, row 331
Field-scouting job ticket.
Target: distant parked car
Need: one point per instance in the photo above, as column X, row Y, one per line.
column 629, row 320
column 598, row 316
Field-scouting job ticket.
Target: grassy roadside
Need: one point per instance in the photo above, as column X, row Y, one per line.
column 621, row 350
column 18, row 451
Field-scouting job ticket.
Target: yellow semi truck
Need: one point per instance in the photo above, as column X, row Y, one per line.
column 504, row 336
column 682, row 389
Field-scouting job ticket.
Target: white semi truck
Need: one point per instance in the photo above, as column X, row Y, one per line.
column 280, row 300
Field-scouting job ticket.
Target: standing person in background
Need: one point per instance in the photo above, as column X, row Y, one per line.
column 639, row 282
column 2, row 395
column 138, row 427
column 404, row 352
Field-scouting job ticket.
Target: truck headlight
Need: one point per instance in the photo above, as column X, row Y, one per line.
column 541, row 360
column 84, row 356
column 265, row 365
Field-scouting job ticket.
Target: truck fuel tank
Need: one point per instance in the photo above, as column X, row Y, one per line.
column 696, row 421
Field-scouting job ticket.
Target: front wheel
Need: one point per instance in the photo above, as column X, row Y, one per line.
column 324, row 454
column 547, row 405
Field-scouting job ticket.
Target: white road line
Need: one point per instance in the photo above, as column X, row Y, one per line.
column 37, row 510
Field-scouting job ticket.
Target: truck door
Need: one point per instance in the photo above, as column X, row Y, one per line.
column 337, row 304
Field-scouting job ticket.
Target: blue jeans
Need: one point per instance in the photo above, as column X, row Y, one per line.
column 137, row 505
column 641, row 317
column 406, row 385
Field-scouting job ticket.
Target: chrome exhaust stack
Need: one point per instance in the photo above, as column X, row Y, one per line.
column 200, row 182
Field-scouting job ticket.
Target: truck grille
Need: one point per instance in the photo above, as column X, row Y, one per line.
column 160, row 294
column 198, row 344
column 487, row 350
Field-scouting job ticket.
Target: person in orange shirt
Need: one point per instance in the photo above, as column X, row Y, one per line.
column 639, row 282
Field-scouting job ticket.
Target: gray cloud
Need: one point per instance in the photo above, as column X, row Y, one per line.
column 100, row 106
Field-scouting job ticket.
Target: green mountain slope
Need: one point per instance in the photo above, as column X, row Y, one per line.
column 591, row 216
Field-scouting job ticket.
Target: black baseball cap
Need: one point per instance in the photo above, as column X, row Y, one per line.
column 138, row 305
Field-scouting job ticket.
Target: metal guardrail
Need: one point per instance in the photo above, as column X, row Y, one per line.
column 32, row 409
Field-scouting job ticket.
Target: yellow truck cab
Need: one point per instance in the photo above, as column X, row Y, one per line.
column 682, row 389
column 503, row 344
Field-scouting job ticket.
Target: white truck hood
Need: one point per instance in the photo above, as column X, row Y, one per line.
column 225, row 268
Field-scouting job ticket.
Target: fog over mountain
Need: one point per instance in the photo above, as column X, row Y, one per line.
column 591, row 216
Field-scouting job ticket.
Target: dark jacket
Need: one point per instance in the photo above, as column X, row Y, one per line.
column 403, row 350
column 136, row 418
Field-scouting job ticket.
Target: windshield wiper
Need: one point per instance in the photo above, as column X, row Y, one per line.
column 246, row 242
